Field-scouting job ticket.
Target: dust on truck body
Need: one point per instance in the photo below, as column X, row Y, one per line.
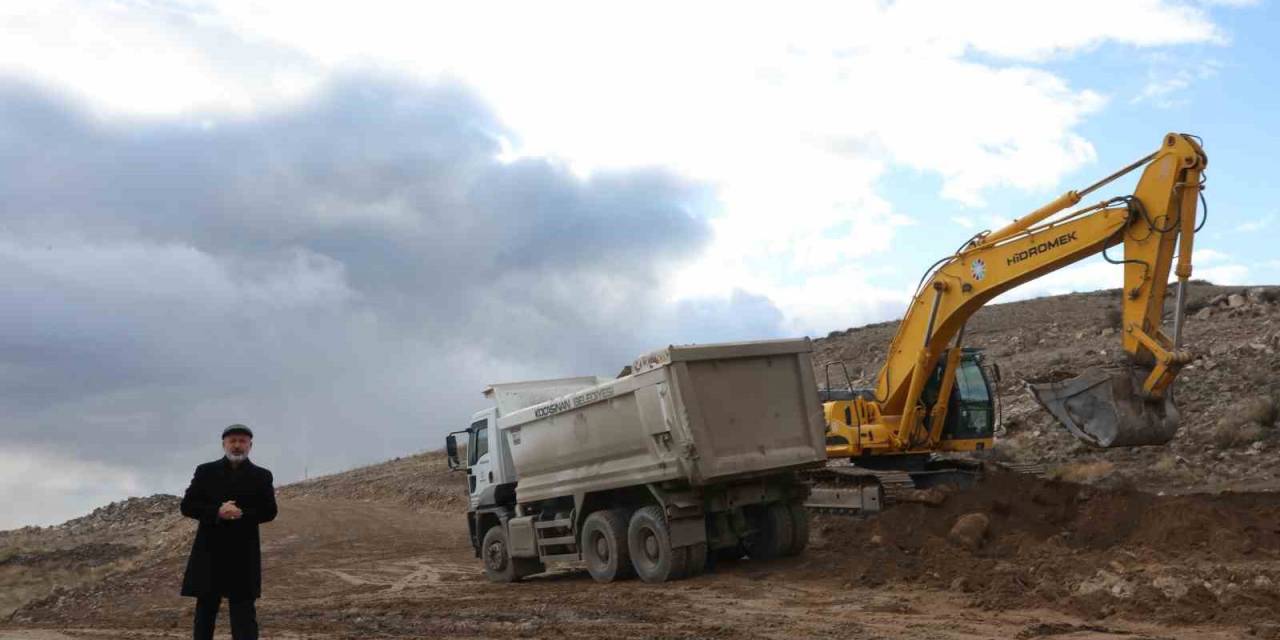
column 690, row 458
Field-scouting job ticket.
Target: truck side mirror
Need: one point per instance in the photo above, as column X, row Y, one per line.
column 451, row 451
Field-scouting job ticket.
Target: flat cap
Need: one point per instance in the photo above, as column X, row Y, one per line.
column 237, row 428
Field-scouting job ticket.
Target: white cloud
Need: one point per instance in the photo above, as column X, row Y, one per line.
column 1169, row 78
column 1205, row 256
column 1224, row 274
column 963, row 221
column 42, row 487
column 1256, row 224
column 794, row 115
column 1230, row 3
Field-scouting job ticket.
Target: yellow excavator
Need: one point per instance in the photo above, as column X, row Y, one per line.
column 933, row 395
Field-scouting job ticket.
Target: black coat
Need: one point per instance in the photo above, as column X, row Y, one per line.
column 226, row 558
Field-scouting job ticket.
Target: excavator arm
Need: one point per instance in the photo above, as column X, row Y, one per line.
column 1124, row 405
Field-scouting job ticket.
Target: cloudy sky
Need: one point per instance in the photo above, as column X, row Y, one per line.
column 338, row 223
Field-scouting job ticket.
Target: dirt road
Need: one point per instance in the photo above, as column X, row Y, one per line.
column 347, row 569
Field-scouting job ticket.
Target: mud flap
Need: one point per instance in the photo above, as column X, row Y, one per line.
column 1105, row 407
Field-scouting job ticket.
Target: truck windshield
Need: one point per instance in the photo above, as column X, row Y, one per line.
column 479, row 440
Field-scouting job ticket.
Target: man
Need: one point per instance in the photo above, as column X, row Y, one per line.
column 230, row 497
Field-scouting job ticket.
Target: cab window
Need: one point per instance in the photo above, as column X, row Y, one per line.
column 479, row 440
column 976, row 419
column 972, row 386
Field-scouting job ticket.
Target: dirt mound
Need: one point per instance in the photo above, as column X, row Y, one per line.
column 116, row 538
column 1090, row 551
column 421, row 481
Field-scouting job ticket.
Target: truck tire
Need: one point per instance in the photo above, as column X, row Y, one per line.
column 799, row 528
column 604, row 546
column 774, row 532
column 649, row 541
column 626, row 570
column 499, row 566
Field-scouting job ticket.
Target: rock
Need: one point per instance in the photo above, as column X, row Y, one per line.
column 1259, row 295
column 1260, row 409
column 1221, row 298
column 1228, row 434
column 1171, row 587
column 1204, row 314
column 1109, row 331
column 932, row 496
column 1235, row 300
column 960, row 584
column 1006, row 568
column 970, row 530
column 1106, row 582
column 876, row 540
column 1266, row 630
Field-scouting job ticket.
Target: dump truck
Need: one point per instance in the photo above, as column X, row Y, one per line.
column 694, row 455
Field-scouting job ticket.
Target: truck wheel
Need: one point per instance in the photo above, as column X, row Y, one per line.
column 799, row 528
column 499, row 566
column 604, row 546
column 773, row 533
column 626, row 569
column 649, row 540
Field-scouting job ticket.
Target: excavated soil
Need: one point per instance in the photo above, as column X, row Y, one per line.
column 1181, row 541
column 1091, row 552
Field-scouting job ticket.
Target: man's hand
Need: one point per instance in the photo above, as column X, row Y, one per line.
column 229, row 511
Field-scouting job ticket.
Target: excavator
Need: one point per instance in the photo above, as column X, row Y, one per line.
column 933, row 395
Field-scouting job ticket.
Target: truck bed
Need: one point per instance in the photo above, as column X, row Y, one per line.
column 700, row 414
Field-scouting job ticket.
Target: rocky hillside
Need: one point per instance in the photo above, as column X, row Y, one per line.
column 1229, row 396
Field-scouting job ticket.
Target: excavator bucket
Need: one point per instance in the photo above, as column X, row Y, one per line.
column 1105, row 407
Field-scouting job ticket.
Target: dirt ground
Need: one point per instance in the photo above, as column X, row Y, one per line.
column 1058, row 559
column 1180, row 541
column 347, row 569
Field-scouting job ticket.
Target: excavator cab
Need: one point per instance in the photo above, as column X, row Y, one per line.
column 970, row 418
column 971, row 408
